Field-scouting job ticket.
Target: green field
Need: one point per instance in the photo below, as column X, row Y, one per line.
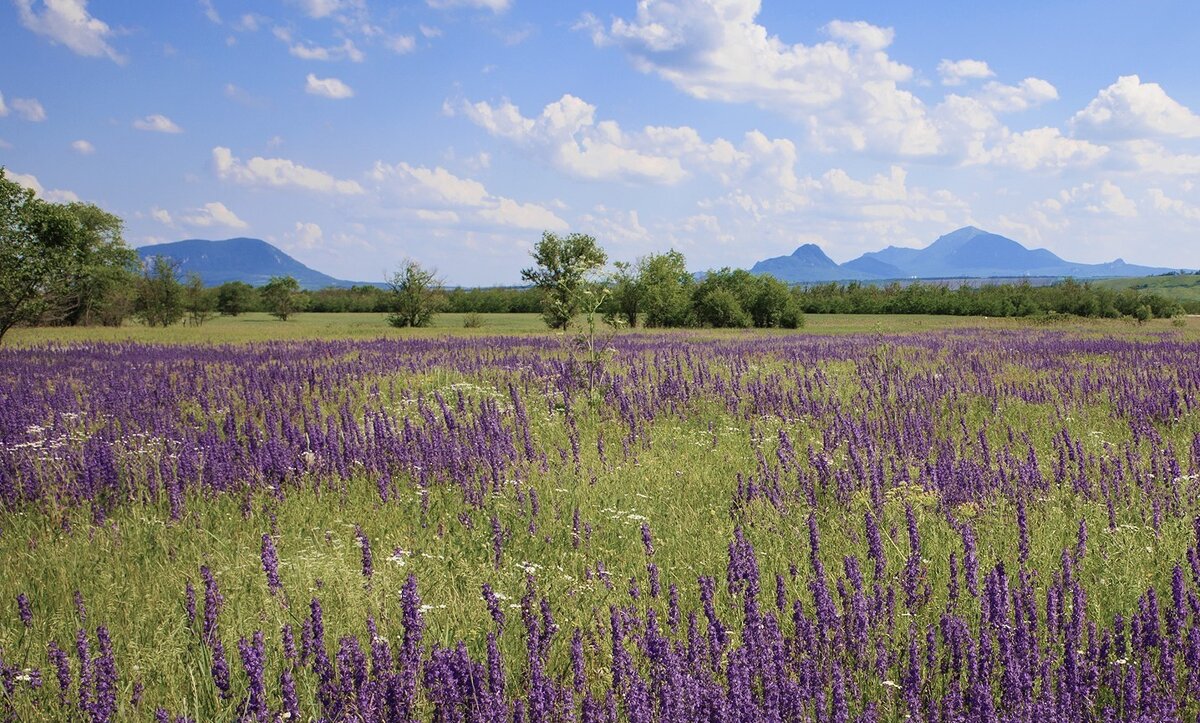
column 254, row 327
column 1184, row 288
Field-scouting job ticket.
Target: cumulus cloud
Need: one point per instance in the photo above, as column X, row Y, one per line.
column 68, row 23
column 1131, row 109
column 278, row 173
column 568, row 136
column 162, row 216
column 157, row 123
column 1027, row 94
column 29, row 109
column 327, row 87
column 496, row 6
column 82, row 147
column 1045, row 149
column 436, row 193
column 1105, row 198
column 957, row 72
column 307, row 236
column 846, row 90
column 213, row 214
column 1163, row 203
column 3, row 107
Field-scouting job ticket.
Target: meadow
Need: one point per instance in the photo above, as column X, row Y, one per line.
column 874, row 518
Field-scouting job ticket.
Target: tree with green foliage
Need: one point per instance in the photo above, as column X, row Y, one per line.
column 667, row 289
column 235, row 297
column 724, row 298
column 564, row 273
column 625, row 295
column 160, row 296
column 282, row 297
column 416, row 295
column 199, row 302
column 59, row 263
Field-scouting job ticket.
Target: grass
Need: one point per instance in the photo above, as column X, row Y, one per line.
column 255, row 327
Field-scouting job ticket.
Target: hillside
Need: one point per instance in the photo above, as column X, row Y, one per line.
column 251, row 260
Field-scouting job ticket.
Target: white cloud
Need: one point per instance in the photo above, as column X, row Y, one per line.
column 567, row 135
column 346, row 51
column 3, row 107
column 434, row 193
column 82, row 147
column 1045, row 149
column 846, row 91
column 1105, row 198
column 29, row 109
column 1027, row 94
column 248, row 23
column 496, row 6
column 402, row 44
column 1165, row 204
column 278, row 173
column 957, row 72
column 68, row 22
column 162, row 216
column 213, row 214
column 307, row 236
column 1152, row 157
column 210, row 12
column 31, row 182
column 1131, row 109
column 327, row 87
column 430, row 31
column 157, row 123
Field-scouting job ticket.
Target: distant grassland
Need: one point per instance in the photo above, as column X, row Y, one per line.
column 1182, row 288
column 253, row 327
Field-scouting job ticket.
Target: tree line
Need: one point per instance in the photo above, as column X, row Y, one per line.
column 67, row 264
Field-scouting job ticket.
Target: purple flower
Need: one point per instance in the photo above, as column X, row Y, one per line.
column 270, row 565
column 24, row 611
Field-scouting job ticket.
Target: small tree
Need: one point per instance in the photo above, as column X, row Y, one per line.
column 234, row 297
column 416, row 295
column 564, row 271
column 160, row 295
column 199, row 302
column 282, row 297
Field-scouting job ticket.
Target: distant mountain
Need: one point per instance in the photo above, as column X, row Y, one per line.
column 251, row 260
column 968, row 252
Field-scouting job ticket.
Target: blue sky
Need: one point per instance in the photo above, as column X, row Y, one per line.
column 356, row 133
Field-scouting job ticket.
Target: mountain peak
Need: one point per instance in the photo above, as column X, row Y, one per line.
column 812, row 254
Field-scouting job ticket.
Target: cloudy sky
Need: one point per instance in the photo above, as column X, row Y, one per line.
column 356, row 133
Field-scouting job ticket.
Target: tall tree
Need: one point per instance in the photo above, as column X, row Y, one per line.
column 54, row 258
column 199, row 302
column 282, row 297
column 564, row 273
column 234, row 297
column 160, row 296
column 416, row 295
column 668, row 289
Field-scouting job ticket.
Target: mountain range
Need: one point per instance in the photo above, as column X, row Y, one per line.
column 968, row 252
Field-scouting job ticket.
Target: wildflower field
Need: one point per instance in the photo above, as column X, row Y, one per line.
column 941, row 525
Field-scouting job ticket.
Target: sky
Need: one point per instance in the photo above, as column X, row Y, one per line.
column 355, row 134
